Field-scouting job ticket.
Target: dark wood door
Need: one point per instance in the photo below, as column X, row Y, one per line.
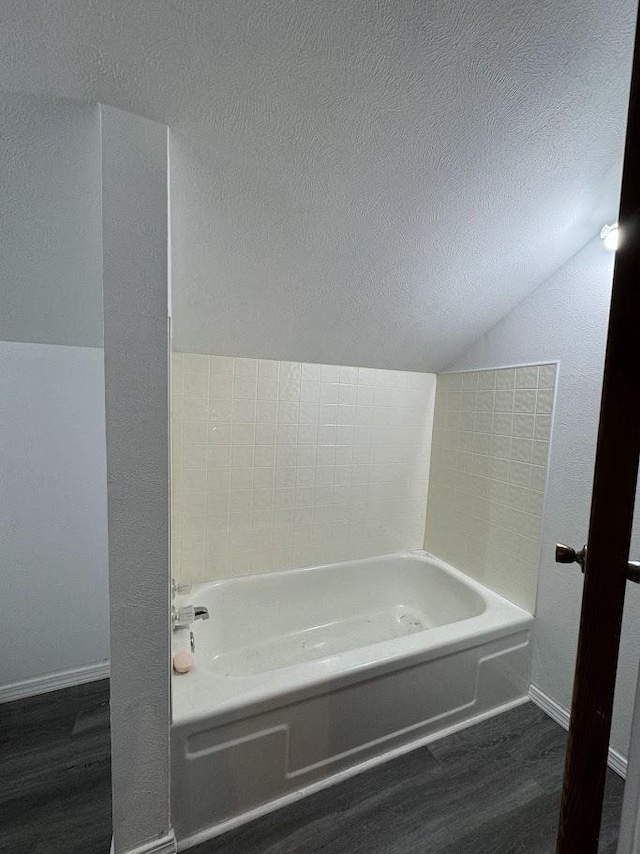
column 611, row 520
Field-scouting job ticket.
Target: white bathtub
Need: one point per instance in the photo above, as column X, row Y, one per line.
column 305, row 676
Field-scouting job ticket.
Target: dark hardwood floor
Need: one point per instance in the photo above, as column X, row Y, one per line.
column 490, row 789
column 55, row 782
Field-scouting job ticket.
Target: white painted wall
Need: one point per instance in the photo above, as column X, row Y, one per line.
column 135, row 249
column 50, row 240
column 566, row 319
column 54, row 607
column 53, row 539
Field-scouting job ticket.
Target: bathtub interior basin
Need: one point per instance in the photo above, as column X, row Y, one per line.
column 269, row 622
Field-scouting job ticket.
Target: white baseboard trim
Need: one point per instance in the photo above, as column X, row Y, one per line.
column 54, row 681
column 560, row 715
column 164, row 845
column 311, row 788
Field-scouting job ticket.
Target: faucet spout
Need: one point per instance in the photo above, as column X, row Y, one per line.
column 183, row 617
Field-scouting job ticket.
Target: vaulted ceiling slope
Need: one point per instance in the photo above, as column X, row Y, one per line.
column 371, row 182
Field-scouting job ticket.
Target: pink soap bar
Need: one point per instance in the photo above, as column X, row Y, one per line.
column 182, row 662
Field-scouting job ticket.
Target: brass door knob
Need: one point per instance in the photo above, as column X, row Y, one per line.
column 565, row 554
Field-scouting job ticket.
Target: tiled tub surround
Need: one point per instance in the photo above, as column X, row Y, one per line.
column 277, row 465
column 488, row 472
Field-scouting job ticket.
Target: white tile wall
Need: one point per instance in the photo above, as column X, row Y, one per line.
column 488, row 473
column 281, row 464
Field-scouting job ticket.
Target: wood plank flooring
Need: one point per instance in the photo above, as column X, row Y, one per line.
column 55, row 780
column 490, row 789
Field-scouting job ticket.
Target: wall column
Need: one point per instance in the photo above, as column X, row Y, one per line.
column 134, row 212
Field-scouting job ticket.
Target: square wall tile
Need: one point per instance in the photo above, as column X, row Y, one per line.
column 195, row 362
column 547, row 376
column 267, row 388
column 245, row 367
column 195, row 384
column 523, row 426
column 527, row 377
column 220, row 387
column 267, row 369
column 262, row 449
column 544, row 401
column 505, row 379
column 311, row 372
column 524, row 401
column 504, row 400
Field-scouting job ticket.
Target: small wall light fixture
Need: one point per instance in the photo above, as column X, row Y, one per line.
column 610, row 234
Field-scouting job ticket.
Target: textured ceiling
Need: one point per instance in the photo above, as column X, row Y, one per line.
column 354, row 181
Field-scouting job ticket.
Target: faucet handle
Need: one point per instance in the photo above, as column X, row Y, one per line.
column 179, row 587
column 182, row 618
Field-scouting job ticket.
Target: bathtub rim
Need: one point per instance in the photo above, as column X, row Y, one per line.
column 402, row 554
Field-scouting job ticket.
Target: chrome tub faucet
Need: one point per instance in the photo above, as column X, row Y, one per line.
column 181, row 618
